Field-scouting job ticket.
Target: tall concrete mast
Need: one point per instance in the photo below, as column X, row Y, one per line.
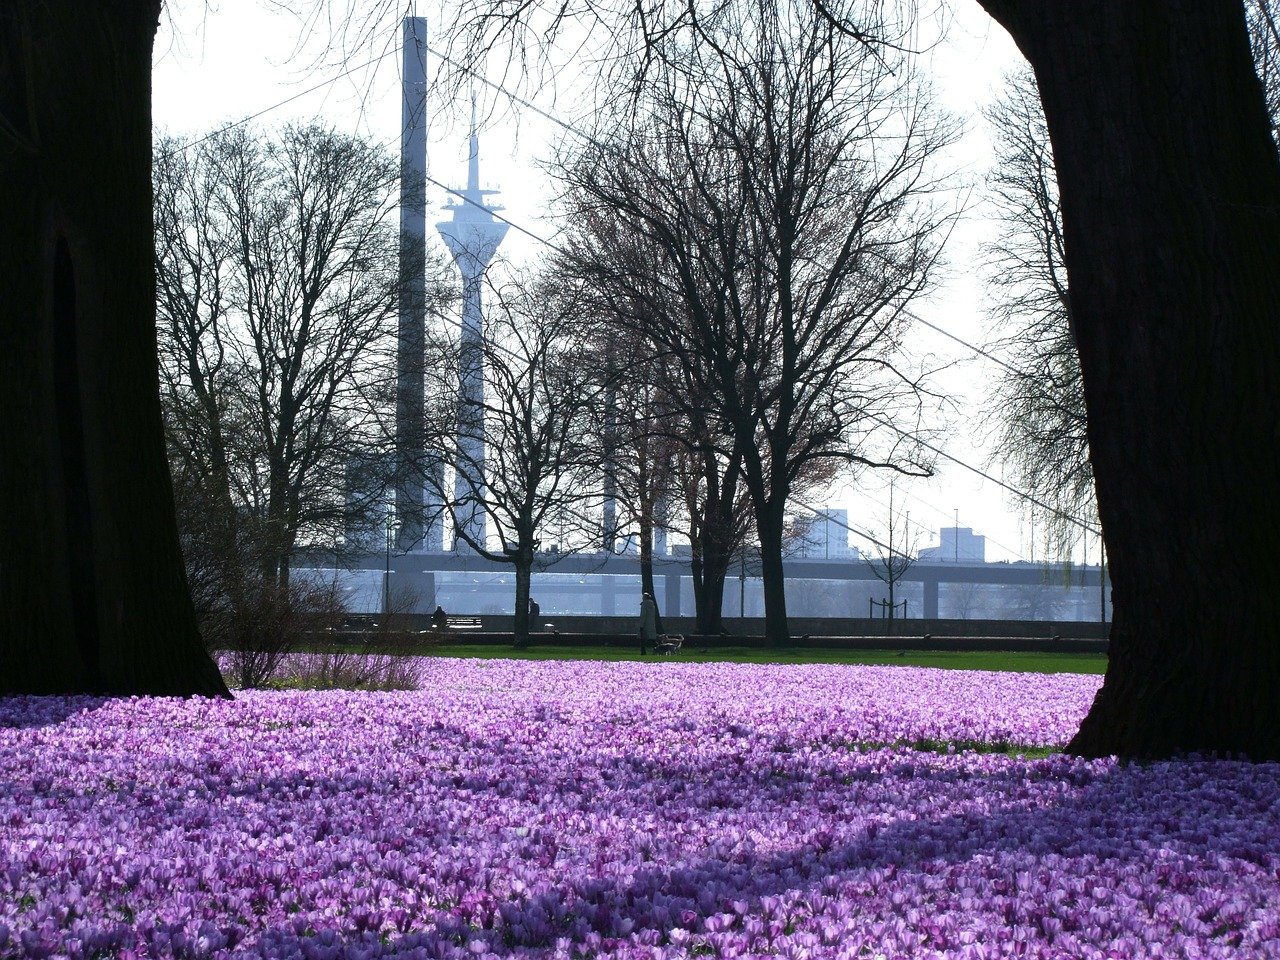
column 472, row 236
column 420, row 526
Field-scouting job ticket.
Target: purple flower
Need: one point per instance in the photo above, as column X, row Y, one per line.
column 571, row 809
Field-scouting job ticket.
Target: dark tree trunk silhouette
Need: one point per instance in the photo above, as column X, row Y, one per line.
column 91, row 578
column 522, row 622
column 1170, row 192
column 769, row 524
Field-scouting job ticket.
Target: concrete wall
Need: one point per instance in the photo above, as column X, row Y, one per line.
column 830, row 627
column 988, row 634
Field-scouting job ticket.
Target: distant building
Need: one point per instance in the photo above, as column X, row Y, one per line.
column 825, row 538
column 957, row 545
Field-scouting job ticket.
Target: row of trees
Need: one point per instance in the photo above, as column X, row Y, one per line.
column 751, row 224
column 277, row 288
column 1169, row 224
column 720, row 333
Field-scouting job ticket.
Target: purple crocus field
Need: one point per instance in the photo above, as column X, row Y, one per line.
column 567, row 809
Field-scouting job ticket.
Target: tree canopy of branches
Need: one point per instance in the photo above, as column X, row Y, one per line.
column 1037, row 407
column 277, row 276
column 782, row 173
column 528, row 455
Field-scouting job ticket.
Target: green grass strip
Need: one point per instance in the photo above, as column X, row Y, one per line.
column 1012, row 661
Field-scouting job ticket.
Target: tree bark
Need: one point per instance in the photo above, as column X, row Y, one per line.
column 524, row 570
column 646, row 562
column 695, row 577
column 1170, row 192
column 92, row 585
column 769, row 522
column 711, row 613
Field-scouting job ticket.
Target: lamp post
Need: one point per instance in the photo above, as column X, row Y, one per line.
column 955, row 535
column 392, row 527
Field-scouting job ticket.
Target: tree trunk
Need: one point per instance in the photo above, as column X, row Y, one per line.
column 92, row 585
column 769, row 521
column 892, row 610
column 1170, row 189
column 711, row 615
column 524, row 571
column 646, row 563
column 699, row 593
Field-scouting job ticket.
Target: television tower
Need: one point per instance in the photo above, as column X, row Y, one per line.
column 472, row 236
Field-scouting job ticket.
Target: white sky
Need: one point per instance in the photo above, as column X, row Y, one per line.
column 218, row 61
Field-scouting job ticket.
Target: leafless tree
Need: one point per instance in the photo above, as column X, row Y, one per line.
column 1036, row 407
column 277, row 268
column 898, row 552
column 783, row 172
column 277, row 280
column 528, row 455
column 1032, row 601
column 967, row 601
column 640, row 437
column 640, row 299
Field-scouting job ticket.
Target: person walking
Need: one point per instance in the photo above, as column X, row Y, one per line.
column 535, row 611
column 648, row 623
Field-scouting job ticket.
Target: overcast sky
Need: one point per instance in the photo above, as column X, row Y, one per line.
column 219, row 61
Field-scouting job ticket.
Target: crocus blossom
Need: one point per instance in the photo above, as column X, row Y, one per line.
column 629, row 810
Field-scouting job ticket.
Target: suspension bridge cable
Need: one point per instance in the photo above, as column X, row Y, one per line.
column 514, row 97
column 986, row 476
column 969, row 346
column 182, row 148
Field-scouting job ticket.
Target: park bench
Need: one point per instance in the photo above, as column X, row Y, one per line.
column 668, row 643
column 463, row 623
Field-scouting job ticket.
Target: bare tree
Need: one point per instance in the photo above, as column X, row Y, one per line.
column 527, row 454
column 967, row 601
column 640, row 298
column 1037, row 405
column 277, row 268
column 640, row 438
column 277, row 282
column 1032, row 601
column 899, row 545
column 715, row 516
column 782, row 170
